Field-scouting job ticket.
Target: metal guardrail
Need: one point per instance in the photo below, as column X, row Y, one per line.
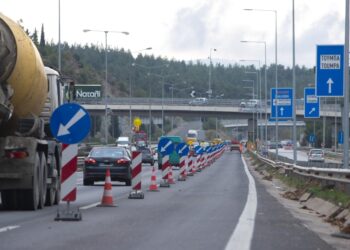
column 329, row 174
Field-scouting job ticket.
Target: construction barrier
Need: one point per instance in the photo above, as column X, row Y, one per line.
column 165, row 171
column 183, row 172
column 107, row 198
column 153, row 186
column 136, row 169
column 69, row 182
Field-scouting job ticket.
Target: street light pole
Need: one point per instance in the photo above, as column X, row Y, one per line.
column 210, row 91
column 252, row 81
column 106, row 73
column 276, row 76
column 59, row 35
column 294, row 90
column 263, row 42
column 130, row 112
column 346, row 89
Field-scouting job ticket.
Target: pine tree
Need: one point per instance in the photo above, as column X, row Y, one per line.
column 42, row 37
column 34, row 37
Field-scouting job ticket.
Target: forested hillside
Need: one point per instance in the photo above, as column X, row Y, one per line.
column 86, row 64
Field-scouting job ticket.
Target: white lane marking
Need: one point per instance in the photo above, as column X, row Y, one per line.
column 8, row 228
column 242, row 235
column 90, row 206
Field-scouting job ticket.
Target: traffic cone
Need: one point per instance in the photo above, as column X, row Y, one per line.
column 153, row 186
column 170, row 178
column 107, row 199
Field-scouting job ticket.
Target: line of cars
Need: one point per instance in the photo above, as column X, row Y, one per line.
column 117, row 158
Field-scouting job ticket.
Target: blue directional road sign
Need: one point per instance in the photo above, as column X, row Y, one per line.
column 70, row 123
column 165, row 146
column 329, row 70
column 340, row 137
column 283, row 99
column 182, row 149
column 198, row 149
column 312, row 138
column 311, row 103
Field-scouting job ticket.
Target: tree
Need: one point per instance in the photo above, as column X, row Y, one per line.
column 34, row 37
column 42, row 37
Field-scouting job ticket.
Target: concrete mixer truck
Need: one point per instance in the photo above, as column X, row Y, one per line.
column 30, row 158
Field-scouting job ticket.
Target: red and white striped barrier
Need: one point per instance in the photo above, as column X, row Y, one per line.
column 165, row 171
column 183, row 172
column 136, row 169
column 69, row 172
column 69, row 183
column 190, row 166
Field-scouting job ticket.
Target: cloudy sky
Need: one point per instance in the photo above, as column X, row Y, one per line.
column 188, row 29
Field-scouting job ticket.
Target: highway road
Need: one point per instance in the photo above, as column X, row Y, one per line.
column 222, row 207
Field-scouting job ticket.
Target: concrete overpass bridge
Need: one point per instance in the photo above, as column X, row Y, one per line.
column 180, row 107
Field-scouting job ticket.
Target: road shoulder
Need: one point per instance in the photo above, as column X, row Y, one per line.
column 310, row 219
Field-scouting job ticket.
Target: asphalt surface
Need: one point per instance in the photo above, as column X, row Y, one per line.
column 200, row 213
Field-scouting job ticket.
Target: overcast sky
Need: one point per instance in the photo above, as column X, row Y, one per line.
column 188, row 29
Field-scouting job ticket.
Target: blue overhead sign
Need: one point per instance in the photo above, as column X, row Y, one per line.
column 329, row 70
column 311, row 103
column 282, row 102
column 165, row 146
column 340, row 137
column 70, row 123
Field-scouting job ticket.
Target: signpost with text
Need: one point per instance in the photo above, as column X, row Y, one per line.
column 329, row 70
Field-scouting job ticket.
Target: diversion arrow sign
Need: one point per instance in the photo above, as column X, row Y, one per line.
column 182, row 149
column 70, row 123
column 64, row 129
column 165, row 146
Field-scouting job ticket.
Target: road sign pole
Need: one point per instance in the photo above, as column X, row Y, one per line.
column 294, row 92
column 346, row 89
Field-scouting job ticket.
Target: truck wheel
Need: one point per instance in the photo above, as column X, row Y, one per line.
column 51, row 191
column 9, row 199
column 42, row 181
column 30, row 197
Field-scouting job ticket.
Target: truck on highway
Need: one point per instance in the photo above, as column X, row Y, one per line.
column 30, row 157
column 191, row 137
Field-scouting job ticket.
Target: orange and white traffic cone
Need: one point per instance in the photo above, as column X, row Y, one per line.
column 107, row 199
column 153, row 186
column 170, row 178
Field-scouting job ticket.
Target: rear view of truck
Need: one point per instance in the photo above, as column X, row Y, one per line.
column 30, row 159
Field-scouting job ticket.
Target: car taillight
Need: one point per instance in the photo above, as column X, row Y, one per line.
column 122, row 161
column 90, row 161
column 16, row 154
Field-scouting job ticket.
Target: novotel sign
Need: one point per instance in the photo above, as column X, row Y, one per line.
column 88, row 92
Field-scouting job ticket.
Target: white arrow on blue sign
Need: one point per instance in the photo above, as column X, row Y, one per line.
column 182, row 149
column 311, row 103
column 329, row 70
column 165, row 146
column 70, row 123
column 282, row 98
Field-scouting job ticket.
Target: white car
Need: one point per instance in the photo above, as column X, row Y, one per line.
column 199, row 101
column 316, row 155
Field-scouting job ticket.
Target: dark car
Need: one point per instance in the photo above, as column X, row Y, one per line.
column 147, row 155
column 117, row 159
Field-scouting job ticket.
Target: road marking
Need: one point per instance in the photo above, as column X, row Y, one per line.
column 90, row 206
column 8, row 228
column 242, row 235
